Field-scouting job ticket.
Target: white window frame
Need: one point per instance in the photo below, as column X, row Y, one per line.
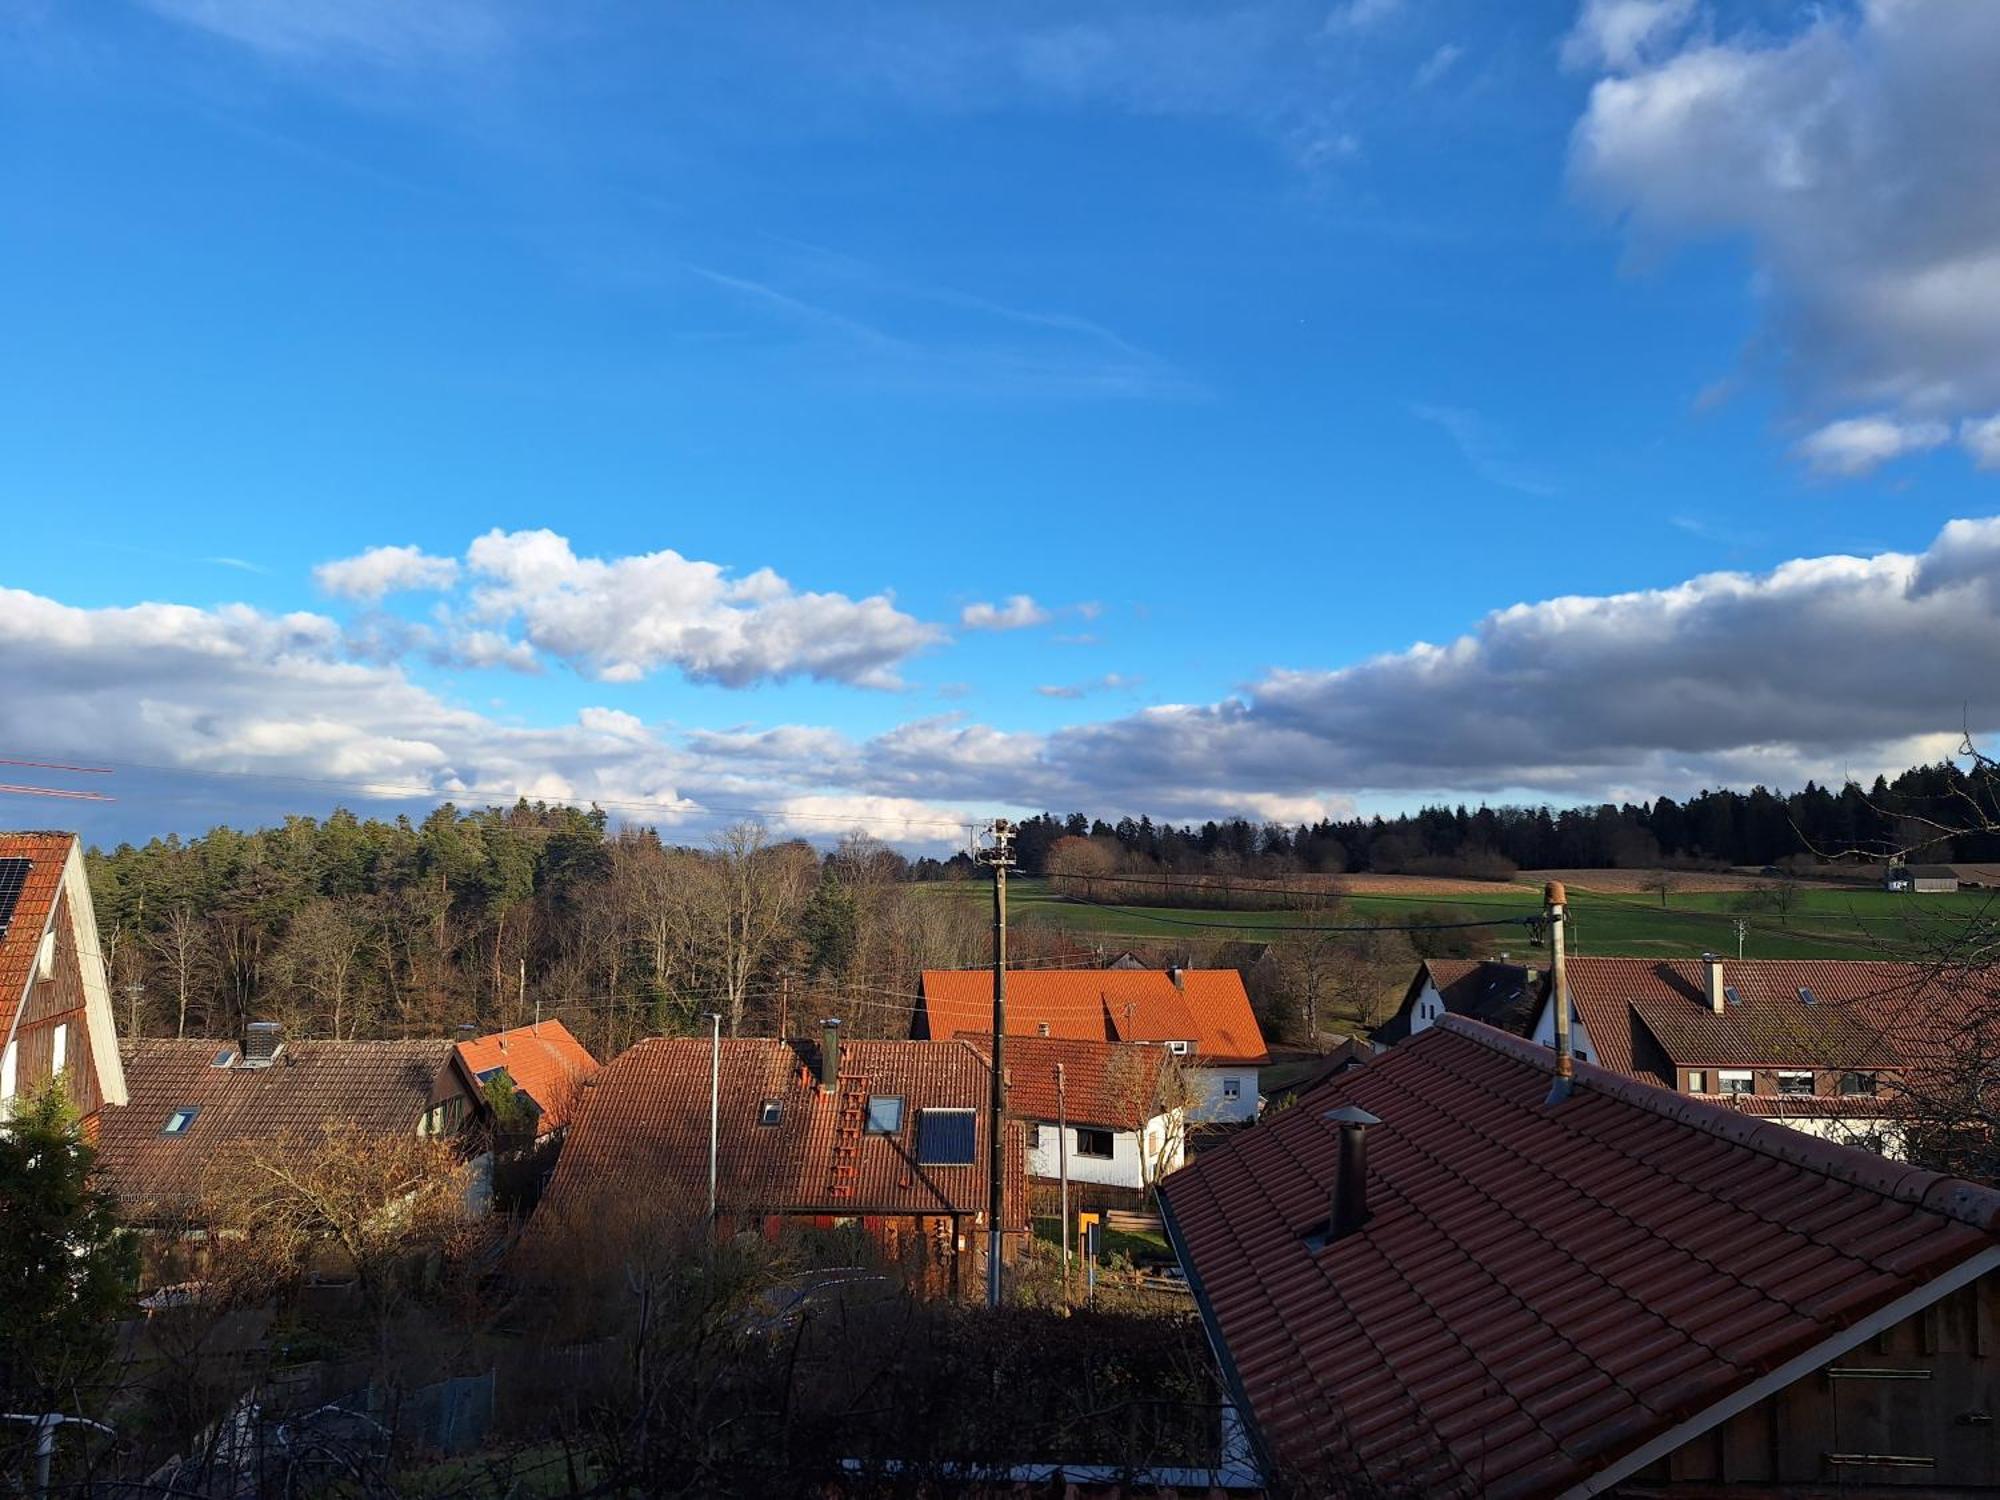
column 59, row 1048
column 1812, row 1082
column 10, row 1062
column 1232, row 1088
column 1697, row 1080
column 1728, row 1079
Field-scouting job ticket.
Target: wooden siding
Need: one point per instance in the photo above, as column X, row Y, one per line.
column 53, row 1002
column 1927, row 1388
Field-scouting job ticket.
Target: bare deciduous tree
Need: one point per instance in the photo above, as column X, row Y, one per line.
column 181, row 945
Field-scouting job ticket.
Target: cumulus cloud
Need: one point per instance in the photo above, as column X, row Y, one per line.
column 1018, row 613
column 1981, row 437
column 380, row 571
column 1819, row 667
column 1859, row 154
column 1856, row 445
column 623, row 618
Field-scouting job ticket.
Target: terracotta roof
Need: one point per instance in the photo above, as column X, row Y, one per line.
column 1209, row 1007
column 1113, row 1084
column 1540, row 1290
column 22, row 938
column 1864, row 1014
column 641, row 1131
column 544, row 1060
column 375, row 1086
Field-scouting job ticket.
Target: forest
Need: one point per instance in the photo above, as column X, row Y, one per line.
column 479, row 919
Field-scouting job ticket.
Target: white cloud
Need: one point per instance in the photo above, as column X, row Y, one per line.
column 373, row 31
column 1859, row 157
column 1110, row 682
column 380, row 571
column 1438, row 64
column 620, row 619
column 1819, row 667
column 1619, row 33
column 1019, row 613
column 1855, row 445
column 1980, row 436
column 1358, row 15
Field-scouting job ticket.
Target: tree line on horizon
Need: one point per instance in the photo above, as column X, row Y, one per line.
column 1713, row 828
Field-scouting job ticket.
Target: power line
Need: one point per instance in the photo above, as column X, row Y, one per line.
column 1151, row 914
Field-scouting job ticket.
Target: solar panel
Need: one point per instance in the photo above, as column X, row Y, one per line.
column 945, row 1138
column 13, row 876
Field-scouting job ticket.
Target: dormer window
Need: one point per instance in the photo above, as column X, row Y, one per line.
column 1795, row 1081
column 1736, row 1081
column 1857, row 1085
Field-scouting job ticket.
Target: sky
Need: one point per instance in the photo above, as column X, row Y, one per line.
column 893, row 415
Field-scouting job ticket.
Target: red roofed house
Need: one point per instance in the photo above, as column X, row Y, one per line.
column 1201, row 1015
column 547, row 1065
column 888, row 1136
column 1123, row 1105
column 1833, row 1047
column 1428, row 1273
column 55, row 1002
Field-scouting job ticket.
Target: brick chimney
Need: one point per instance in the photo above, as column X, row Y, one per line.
column 1716, row 991
column 262, row 1042
column 1350, row 1185
column 829, row 1054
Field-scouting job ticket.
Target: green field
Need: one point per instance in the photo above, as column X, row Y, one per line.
column 1824, row 922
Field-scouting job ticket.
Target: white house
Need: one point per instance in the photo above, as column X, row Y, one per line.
column 1121, row 1108
column 1201, row 1016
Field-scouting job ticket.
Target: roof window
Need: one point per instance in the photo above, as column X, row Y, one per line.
column 1806, row 996
column 770, row 1112
column 1731, row 996
column 224, row 1058
column 885, row 1116
column 179, row 1120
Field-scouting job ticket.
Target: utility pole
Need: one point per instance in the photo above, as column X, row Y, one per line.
column 1000, row 855
column 1552, row 905
column 1062, row 1171
column 1742, row 927
column 714, row 1110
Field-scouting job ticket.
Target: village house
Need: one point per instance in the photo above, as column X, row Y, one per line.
column 1201, row 1016
column 1124, row 1107
column 888, row 1138
column 1920, row 880
column 55, row 1001
column 545, row 1063
column 1442, row 1275
column 1501, row 994
column 192, row 1098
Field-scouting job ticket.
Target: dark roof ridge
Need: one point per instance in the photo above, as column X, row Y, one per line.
column 1953, row 1197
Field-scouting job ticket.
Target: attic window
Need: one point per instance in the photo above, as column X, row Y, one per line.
column 1041, row 1028
column 885, row 1116
column 1857, row 1085
column 224, row 1058
column 1731, row 996
column 1180, row 1049
column 1806, row 996
column 770, row 1112
column 1736, row 1081
column 1795, row 1081
column 179, row 1120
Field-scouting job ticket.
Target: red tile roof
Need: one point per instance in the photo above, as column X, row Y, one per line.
column 1209, row 1007
column 544, row 1060
column 1539, row 1291
column 46, row 853
column 1864, row 1015
column 1111, row 1084
column 374, row 1086
column 640, row 1132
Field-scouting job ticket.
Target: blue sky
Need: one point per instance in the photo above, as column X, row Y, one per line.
column 1254, row 343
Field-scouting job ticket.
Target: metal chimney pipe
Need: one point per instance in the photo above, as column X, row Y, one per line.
column 829, row 1054
column 1350, row 1186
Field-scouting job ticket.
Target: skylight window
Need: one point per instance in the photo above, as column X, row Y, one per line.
column 224, row 1058
column 1806, row 996
column 885, row 1116
column 179, row 1120
column 1731, row 996
column 770, row 1112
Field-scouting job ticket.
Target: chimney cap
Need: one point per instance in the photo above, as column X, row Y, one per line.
column 1711, row 958
column 830, row 1022
column 1349, row 1114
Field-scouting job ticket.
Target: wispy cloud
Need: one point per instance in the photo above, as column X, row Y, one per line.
column 1438, row 64
column 391, row 32
column 240, row 564
column 1486, row 448
column 1110, row 682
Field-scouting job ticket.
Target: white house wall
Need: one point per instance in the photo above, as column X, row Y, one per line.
column 1212, row 1103
column 1126, row 1166
column 1429, row 1007
column 1579, row 1039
